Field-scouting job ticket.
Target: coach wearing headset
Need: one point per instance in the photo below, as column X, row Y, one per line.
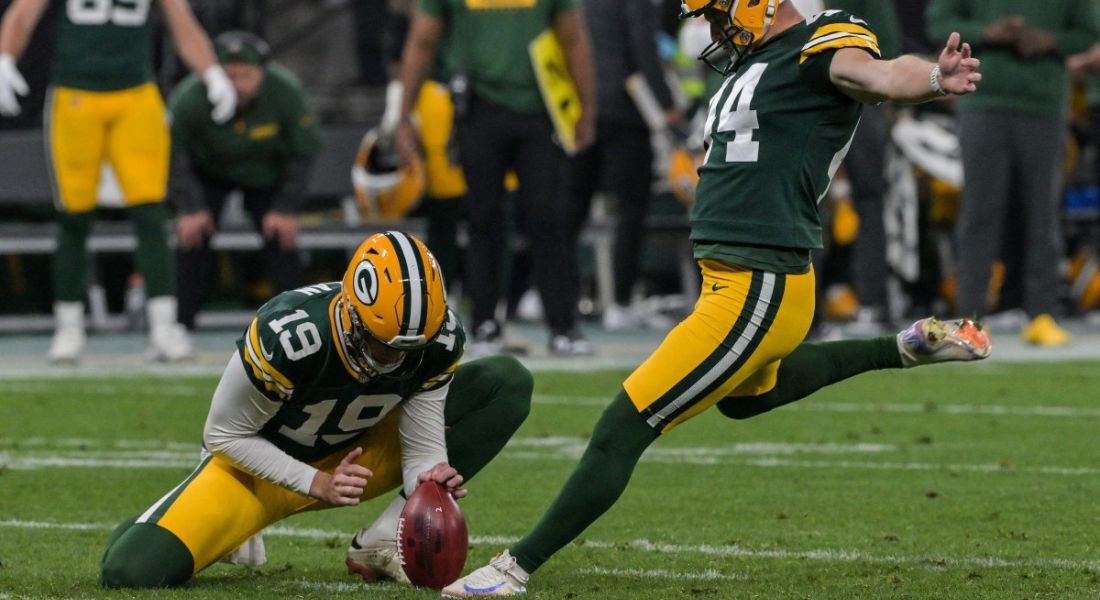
column 265, row 151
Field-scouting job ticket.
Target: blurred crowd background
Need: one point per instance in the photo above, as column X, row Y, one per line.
column 899, row 232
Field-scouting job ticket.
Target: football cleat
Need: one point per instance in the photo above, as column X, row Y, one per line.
column 1043, row 330
column 931, row 341
column 500, row 578
column 571, row 344
column 375, row 561
column 68, row 338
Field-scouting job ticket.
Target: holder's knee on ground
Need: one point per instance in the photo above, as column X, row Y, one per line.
column 141, row 555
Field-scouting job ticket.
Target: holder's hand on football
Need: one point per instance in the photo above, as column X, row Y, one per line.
column 445, row 475
column 345, row 485
column 958, row 69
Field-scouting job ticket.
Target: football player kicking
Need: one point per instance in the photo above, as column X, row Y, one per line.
column 777, row 130
column 337, row 394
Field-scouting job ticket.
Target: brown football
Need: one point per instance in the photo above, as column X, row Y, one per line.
column 431, row 537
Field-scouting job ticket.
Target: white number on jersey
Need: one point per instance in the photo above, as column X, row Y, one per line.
column 447, row 335
column 742, row 120
column 124, row 13
column 308, row 337
column 352, row 420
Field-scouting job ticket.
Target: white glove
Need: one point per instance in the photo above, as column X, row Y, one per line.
column 220, row 93
column 12, row 84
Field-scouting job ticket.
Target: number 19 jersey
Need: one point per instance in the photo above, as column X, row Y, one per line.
column 776, row 132
column 293, row 352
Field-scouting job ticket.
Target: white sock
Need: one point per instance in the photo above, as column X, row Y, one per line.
column 385, row 526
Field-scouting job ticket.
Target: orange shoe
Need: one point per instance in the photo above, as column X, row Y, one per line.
column 1043, row 330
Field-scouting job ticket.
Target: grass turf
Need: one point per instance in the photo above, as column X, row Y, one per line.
column 950, row 482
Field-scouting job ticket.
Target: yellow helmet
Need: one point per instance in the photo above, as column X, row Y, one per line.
column 385, row 189
column 393, row 292
column 747, row 22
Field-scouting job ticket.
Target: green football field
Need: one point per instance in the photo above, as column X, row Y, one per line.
column 949, row 482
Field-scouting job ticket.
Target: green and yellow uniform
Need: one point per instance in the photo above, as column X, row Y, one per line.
column 252, row 150
column 293, row 354
column 777, row 130
column 482, row 38
column 103, row 106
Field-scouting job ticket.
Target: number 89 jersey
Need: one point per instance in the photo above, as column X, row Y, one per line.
column 293, row 353
column 776, row 132
column 103, row 45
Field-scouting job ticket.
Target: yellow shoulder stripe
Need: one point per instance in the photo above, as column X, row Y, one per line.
column 852, row 28
column 338, row 337
column 263, row 370
column 838, row 43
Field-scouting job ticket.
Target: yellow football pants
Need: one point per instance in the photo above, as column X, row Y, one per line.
column 126, row 128
column 219, row 506
column 743, row 325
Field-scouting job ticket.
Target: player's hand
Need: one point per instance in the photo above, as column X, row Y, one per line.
column 958, row 69
column 282, row 227
column 192, row 229
column 584, row 133
column 345, row 485
column 408, row 150
column 1003, row 31
column 1033, row 42
column 221, row 94
column 12, row 85
column 445, row 475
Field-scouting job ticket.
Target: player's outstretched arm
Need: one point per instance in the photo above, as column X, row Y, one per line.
column 907, row 79
column 15, row 31
column 198, row 54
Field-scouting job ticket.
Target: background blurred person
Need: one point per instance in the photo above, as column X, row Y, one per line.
column 624, row 43
column 265, row 152
column 503, row 123
column 104, row 107
column 1013, row 136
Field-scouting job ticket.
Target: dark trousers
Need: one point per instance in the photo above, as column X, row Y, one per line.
column 195, row 266
column 621, row 162
column 492, row 140
column 1009, row 156
column 866, row 170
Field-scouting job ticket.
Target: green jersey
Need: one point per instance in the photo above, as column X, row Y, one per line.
column 293, row 352
column 251, row 150
column 776, row 133
column 103, row 45
column 488, row 39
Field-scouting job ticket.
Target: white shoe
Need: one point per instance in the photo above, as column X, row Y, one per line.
column 68, row 338
column 931, row 341
column 168, row 340
column 529, row 307
column 252, row 553
column 501, row 577
column 376, row 560
column 617, row 317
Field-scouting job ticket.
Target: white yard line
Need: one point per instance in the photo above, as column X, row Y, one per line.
column 657, row 547
column 81, row 453
column 708, row 575
column 854, row 407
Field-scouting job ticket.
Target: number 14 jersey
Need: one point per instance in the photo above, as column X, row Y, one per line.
column 776, row 133
column 294, row 354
